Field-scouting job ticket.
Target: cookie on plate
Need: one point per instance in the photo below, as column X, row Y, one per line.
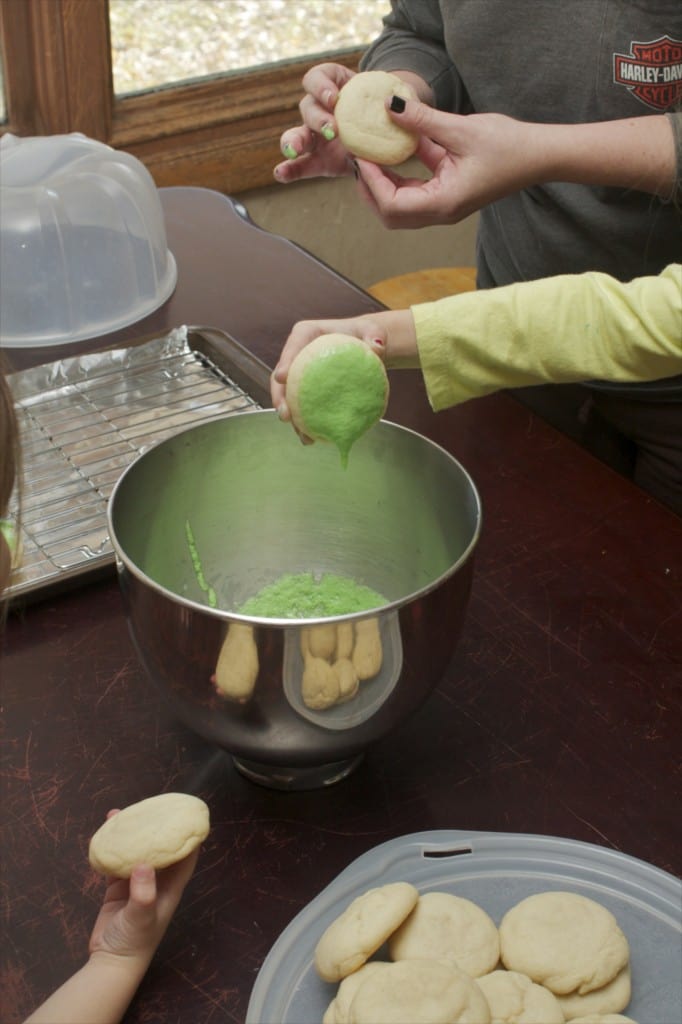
column 363, row 926
column 514, row 998
column 157, row 831
column 610, row 998
column 338, row 1011
column 421, row 992
column 602, row 1018
column 364, row 125
column 443, row 926
column 564, row 941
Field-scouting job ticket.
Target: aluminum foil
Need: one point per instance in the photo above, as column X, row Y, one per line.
column 82, row 421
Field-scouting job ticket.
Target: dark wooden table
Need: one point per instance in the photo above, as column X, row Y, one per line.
column 560, row 714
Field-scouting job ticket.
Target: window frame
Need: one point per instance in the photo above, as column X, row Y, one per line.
column 220, row 131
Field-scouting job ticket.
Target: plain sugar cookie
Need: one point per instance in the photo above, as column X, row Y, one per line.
column 365, row 126
column 363, row 926
column 514, row 999
column 157, row 831
column 610, row 998
column 448, row 927
column 419, row 992
column 562, row 940
column 602, row 1018
column 349, row 986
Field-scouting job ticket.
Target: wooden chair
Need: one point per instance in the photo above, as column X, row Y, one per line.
column 423, row 286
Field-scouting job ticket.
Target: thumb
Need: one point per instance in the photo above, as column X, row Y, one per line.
column 140, row 909
column 424, row 120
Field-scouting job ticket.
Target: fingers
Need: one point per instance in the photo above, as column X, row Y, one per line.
column 140, row 910
column 424, row 120
column 297, row 340
column 412, row 202
column 318, row 117
column 142, row 886
column 324, row 82
column 295, row 142
column 304, row 147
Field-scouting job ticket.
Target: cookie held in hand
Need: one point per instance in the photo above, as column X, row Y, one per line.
column 365, row 126
column 157, row 831
column 337, row 388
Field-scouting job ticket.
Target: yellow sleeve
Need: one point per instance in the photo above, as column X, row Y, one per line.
column 558, row 329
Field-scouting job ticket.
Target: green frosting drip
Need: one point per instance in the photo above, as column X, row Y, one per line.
column 341, row 395
column 198, row 570
column 304, row 596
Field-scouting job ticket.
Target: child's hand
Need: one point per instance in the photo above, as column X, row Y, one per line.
column 129, row 927
column 367, row 329
column 136, row 911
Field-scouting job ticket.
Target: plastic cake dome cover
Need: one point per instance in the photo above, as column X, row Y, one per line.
column 83, row 248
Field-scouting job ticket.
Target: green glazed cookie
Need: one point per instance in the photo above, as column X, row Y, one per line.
column 337, row 388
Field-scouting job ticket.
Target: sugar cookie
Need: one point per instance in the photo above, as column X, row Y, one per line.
column 602, row 1018
column 157, row 831
column 419, row 992
column 346, row 991
column 362, row 927
column 610, row 998
column 562, row 940
column 514, row 998
column 443, row 926
column 337, row 388
column 364, row 125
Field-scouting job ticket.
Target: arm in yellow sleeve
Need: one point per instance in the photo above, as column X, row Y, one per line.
column 560, row 329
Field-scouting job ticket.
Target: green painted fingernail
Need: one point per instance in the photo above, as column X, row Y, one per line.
column 289, row 151
column 328, row 132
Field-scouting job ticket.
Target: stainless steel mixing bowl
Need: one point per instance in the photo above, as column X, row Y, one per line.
column 212, row 515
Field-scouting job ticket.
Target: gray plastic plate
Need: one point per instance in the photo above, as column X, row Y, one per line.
column 495, row 870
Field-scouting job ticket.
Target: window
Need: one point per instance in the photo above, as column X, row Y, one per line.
column 201, row 123
column 158, row 42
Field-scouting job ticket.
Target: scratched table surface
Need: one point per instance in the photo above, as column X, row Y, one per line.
column 560, row 713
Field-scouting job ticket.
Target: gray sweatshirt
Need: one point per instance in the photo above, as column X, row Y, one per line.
column 554, row 61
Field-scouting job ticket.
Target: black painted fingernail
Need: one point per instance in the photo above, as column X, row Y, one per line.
column 397, row 104
column 356, row 169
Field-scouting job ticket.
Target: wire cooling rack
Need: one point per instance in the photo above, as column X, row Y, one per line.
column 83, row 420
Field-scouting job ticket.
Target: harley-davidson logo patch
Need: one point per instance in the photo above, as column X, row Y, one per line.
column 652, row 71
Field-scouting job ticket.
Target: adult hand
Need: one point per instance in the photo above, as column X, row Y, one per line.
column 472, row 160
column 312, row 149
column 368, row 329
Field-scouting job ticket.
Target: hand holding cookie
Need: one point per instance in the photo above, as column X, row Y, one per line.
column 336, row 389
column 366, row 328
column 312, row 149
column 364, row 125
column 158, row 832
column 149, row 850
